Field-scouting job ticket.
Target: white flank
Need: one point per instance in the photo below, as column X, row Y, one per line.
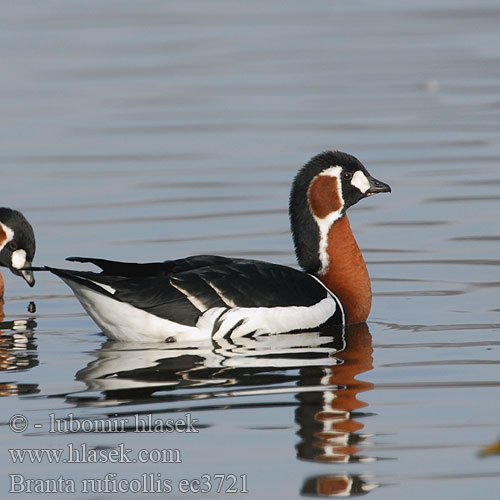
column 360, row 181
column 122, row 322
column 268, row 320
column 18, row 259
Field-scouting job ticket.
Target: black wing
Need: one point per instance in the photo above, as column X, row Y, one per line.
column 181, row 290
column 115, row 268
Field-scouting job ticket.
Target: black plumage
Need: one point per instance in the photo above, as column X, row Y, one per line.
column 182, row 290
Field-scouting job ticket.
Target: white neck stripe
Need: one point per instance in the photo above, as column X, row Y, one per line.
column 326, row 223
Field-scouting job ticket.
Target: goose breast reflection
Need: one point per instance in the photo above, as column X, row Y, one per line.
column 209, row 296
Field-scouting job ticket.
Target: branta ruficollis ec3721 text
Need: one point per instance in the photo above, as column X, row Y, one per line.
column 209, row 296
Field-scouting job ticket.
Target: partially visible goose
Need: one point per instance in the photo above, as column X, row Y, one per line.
column 17, row 245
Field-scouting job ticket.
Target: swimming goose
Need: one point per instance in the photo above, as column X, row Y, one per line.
column 210, row 296
column 17, row 245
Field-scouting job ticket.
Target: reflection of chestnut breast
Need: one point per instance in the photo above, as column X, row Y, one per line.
column 329, row 428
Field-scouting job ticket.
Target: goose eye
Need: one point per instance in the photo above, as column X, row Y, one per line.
column 13, row 245
column 347, row 176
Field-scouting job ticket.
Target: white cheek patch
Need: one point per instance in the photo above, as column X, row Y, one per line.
column 360, row 181
column 18, row 259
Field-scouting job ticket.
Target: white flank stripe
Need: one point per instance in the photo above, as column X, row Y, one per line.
column 108, row 288
column 194, row 300
column 224, row 299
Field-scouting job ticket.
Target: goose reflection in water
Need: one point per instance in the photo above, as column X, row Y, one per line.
column 330, row 429
column 321, row 369
column 17, row 352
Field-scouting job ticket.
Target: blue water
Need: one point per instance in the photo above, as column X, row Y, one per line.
column 155, row 130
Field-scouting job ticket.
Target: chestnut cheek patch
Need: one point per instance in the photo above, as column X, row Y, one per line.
column 3, row 237
column 324, row 196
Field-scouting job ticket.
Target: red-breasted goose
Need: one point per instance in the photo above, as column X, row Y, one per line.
column 209, row 296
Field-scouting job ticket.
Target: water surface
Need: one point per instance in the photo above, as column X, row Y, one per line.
column 147, row 131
